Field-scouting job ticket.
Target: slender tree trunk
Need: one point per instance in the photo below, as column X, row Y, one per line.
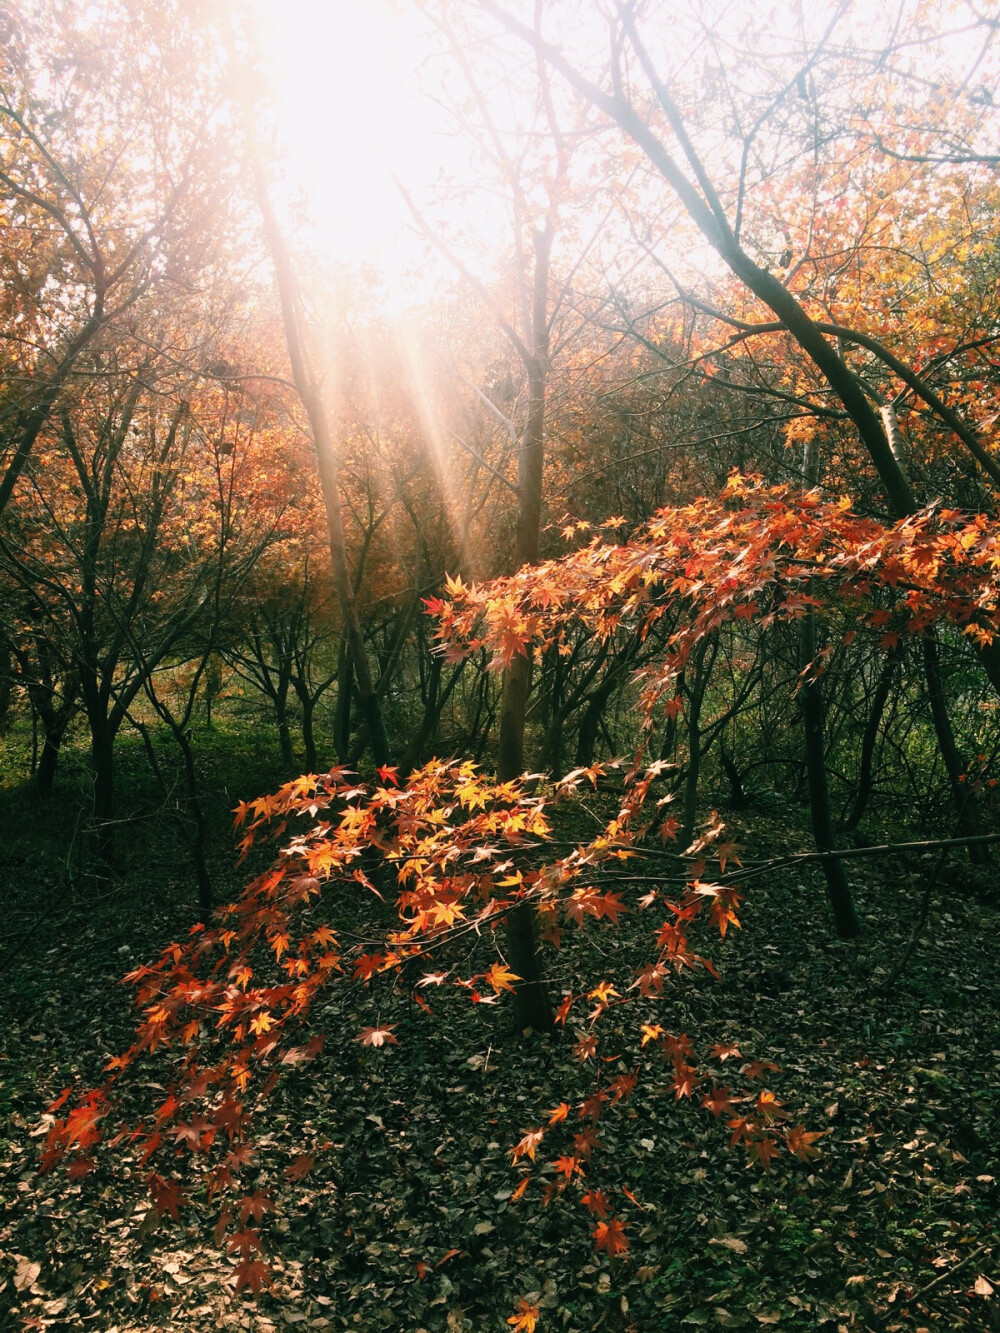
column 46, row 772
column 342, row 716
column 284, row 728
column 869, row 742
column 966, row 806
column 102, row 758
column 308, row 729
column 696, row 697
column 206, row 897
column 311, row 395
column 838, row 886
column 532, row 1008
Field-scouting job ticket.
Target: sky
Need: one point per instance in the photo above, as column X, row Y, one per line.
column 347, row 78
column 355, row 82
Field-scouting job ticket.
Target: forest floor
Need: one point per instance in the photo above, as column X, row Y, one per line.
column 406, row 1220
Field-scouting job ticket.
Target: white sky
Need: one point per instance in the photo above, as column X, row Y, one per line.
column 355, row 83
column 348, row 82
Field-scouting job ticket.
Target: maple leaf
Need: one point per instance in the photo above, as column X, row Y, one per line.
column 525, row 1317
column 253, row 1273
column 723, row 1051
column 246, row 1242
column 685, row 1081
column 596, row 1201
column 718, row 1101
column 649, row 980
column 758, row 1068
column 769, row 1108
column 559, row 1114
column 609, row 905
column 165, row 1194
column 380, row 1036
column 799, row 1141
column 765, row 1151
column 568, row 1166
column 585, row 1047
column 501, row 978
column 610, row 1237
column 300, row 1166
column 59, row 1101
column 81, row 1124
column 622, row 1087
column 528, row 1145
column 254, row 1205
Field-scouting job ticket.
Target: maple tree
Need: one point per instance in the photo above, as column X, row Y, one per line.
column 463, row 850
column 232, row 1005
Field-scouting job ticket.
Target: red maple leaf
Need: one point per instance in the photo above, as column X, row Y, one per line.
column 300, row 1166
column 253, row 1273
column 597, row 1202
column 610, row 1237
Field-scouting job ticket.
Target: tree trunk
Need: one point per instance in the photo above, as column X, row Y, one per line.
column 206, row 897
column 342, row 716
column 966, row 805
column 102, row 758
column 532, row 1008
column 869, row 742
column 310, row 392
column 308, row 730
column 284, row 729
column 838, row 886
column 46, row 771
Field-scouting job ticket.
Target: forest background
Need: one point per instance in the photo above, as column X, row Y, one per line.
column 658, row 464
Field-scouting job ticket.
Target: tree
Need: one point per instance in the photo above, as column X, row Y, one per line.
column 106, row 186
column 132, row 530
column 310, row 389
column 724, row 218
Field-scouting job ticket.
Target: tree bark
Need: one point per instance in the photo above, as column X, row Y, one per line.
column 838, row 886
column 532, row 1008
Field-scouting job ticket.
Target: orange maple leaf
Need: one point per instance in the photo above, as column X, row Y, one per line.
column 525, row 1318
column 597, row 1202
column 610, row 1237
column 722, row 1051
column 799, row 1141
column 501, row 978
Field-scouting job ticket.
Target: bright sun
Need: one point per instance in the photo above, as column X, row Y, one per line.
column 346, row 76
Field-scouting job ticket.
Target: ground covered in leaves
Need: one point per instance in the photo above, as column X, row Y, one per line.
column 406, row 1220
